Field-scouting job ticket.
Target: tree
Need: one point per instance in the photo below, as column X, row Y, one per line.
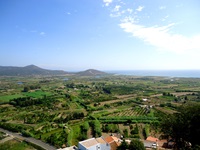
column 136, row 145
column 125, row 133
column 123, row 146
column 96, row 127
column 183, row 127
column 26, row 89
column 85, row 126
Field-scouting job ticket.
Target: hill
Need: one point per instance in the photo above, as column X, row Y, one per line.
column 91, row 72
column 28, row 71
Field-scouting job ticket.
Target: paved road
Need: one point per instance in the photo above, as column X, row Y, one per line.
column 29, row 139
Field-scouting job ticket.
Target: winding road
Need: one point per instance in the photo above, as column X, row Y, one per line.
column 29, row 139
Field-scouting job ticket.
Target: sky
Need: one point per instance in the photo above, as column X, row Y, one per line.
column 74, row 35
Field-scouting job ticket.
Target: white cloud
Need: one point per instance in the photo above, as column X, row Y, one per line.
column 117, row 7
column 140, row 8
column 130, row 10
column 42, row 33
column 161, row 37
column 116, row 12
column 107, row 2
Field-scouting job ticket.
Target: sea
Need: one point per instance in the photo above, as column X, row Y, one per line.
column 162, row 73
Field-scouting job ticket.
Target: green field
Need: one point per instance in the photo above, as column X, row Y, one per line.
column 7, row 98
column 15, row 145
column 37, row 94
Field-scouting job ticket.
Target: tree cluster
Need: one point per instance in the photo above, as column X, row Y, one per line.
column 184, row 126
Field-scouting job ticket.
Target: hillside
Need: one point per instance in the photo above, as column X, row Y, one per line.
column 28, row 71
column 91, row 72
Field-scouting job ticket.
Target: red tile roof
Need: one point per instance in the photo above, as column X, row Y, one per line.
column 109, row 139
column 113, row 141
column 153, row 139
column 113, row 145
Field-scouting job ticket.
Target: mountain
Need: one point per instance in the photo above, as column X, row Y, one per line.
column 28, row 71
column 91, row 72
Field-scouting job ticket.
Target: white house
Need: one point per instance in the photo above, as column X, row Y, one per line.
column 94, row 144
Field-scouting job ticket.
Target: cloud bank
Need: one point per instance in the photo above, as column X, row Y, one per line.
column 161, row 37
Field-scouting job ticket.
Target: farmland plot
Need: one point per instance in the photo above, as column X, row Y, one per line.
column 138, row 111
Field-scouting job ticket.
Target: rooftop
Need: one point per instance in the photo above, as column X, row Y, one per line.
column 89, row 142
column 153, row 139
column 100, row 140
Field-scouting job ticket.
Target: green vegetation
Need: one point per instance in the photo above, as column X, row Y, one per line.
column 37, row 94
column 15, row 145
column 64, row 112
column 96, row 128
column 184, row 126
column 136, row 145
column 7, row 98
column 146, row 130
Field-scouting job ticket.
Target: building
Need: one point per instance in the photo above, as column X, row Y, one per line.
column 113, row 141
column 94, row 144
column 151, row 142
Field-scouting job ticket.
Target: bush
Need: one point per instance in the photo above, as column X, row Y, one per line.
column 96, row 127
column 135, row 130
column 136, row 145
column 146, row 128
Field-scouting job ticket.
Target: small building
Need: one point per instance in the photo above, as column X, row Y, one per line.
column 153, row 139
column 113, row 141
column 151, row 142
column 94, row 144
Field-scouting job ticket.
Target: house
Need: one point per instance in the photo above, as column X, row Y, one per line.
column 103, row 144
column 94, row 144
column 151, row 142
column 152, row 139
column 113, row 141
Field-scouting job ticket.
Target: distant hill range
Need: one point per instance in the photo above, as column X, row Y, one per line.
column 91, row 72
column 28, row 71
column 33, row 70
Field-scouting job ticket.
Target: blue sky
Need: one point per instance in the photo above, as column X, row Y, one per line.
column 76, row 35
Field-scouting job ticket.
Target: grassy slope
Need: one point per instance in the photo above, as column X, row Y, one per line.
column 15, row 145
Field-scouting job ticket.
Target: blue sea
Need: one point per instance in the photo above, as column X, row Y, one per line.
column 163, row 73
